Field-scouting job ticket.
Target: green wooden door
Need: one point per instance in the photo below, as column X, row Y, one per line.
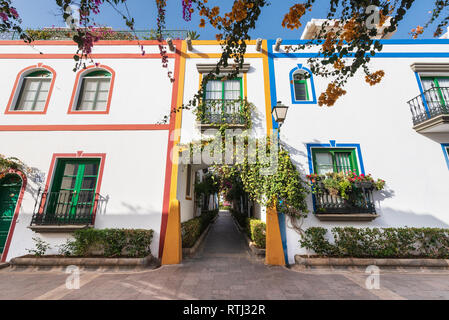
column 10, row 188
column 73, row 192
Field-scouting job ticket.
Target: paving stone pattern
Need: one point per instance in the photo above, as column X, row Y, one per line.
column 223, row 268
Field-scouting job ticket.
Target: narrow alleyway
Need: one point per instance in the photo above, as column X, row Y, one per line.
column 224, row 241
column 224, row 269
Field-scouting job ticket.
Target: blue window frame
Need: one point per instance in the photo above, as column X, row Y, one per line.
column 302, row 86
column 445, row 147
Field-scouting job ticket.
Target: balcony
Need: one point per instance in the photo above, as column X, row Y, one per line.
column 215, row 113
column 358, row 207
column 64, row 211
column 430, row 111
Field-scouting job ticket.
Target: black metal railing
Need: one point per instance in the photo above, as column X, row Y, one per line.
column 431, row 103
column 66, row 34
column 65, row 208
column 223, row 112
column 360, row 200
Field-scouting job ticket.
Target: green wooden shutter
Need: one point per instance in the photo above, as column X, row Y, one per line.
column 334, row 160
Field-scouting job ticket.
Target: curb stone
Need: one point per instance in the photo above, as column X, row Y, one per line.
column 4, row 265
column 365, row 262
column 149, row 261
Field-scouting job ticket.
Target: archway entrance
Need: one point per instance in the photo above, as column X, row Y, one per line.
column 10, row 188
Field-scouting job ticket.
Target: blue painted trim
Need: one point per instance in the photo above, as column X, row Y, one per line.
column 385, row 41
column 421, row 89
column 378, row 55
column 273, row 93
column 283, row 229
column 446, row 154
column 292, row 85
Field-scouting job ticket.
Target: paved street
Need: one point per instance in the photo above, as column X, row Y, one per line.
column 224, row 269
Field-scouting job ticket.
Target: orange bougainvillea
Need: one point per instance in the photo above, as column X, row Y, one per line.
column 351, row 31
column 293, row 17
column 375, row 78
column 329, row 44
column 333, row 92
column 417, row 32
column 339, row 65
column 238, row 13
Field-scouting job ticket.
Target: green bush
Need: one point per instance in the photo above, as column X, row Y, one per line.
column 109, row 243
column 258, row 232
column 379, row 243
column 241, row 219
column 255, row 229
column 191, row 230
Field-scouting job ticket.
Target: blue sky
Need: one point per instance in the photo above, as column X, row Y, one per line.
column 44, row 13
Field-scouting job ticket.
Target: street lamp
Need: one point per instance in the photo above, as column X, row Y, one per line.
column 279, row 113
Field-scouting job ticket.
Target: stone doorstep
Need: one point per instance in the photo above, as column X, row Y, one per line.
column 362, row 262
column 255, row 250
column 85, row 262
column 191, row 251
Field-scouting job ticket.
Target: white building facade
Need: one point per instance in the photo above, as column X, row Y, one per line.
column 396, row 130
column 96, row 136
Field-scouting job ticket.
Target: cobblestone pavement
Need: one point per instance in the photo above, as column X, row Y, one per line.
column 224, row 269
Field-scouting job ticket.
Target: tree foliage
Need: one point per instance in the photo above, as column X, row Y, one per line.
column 346, row 42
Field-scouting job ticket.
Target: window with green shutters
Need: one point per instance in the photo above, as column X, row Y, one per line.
column 73, row 190
column 34, row 91
column 327, row 160
column 300, row 86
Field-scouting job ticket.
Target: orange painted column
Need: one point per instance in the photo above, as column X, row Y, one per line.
column 274, row 249
column 173, row 241
column 172, row 252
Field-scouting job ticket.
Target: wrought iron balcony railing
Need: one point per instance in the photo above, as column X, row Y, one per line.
column 65, row 208
column 223, row 112
column 360, row 201
column 428, row 105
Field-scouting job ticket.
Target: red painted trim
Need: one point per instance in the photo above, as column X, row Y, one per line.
column 70, row 42
column 16, row 214
column 93, row 56
column 87, row 127
column 15, row 90
column 169, row 164
column 78, row 155
column 77, row 85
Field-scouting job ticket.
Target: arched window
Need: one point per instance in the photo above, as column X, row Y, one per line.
column 302, row 86
column 94, row 91
column 33, row 91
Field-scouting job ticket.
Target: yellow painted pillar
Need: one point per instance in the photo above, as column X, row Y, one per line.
column 275, row 251
column 173, row 241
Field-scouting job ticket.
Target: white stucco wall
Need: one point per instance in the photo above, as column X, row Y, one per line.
column 379, row 119
column 135, row 166
column 132, row 182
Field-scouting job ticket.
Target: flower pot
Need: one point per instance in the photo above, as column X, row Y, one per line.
column 364, row 185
